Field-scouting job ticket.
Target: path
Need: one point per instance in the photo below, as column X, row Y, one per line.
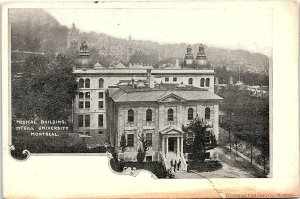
column 233, row 166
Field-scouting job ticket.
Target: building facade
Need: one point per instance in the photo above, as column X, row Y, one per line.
column 158, row 111
column 112, row 101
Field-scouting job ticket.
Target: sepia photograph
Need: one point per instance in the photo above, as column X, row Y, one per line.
column 179, row 103
column 170, row 91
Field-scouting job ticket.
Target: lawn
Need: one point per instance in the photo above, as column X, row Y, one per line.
column 204, row 166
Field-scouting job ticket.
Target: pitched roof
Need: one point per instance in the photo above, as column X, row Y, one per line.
column 127, row 94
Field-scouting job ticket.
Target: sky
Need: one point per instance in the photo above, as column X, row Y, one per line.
column 248, row 29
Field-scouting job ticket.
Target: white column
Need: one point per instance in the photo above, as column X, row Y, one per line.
column 163, row 146
column 177, row 150
column 181, row 151
column 167, row 145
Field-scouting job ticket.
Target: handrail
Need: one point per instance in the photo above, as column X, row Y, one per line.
column 183, row 162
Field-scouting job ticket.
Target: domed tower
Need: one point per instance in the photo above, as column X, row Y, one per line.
column 201, row 59
column 188, row 58
column 83, row 60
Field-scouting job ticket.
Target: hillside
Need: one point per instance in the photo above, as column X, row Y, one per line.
column 36, row 30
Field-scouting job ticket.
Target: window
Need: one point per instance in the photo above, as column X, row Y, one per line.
column 170, row 115
column 81, row 95
column 87, row 95
column 207, row 82
column 130, row 115
column 81, row 83
column 84, row 102
column 100, row 132
column 87, row 83
column 174, row 79
column 149, row 139
column 100, row 120
column 100, row 95
column 87, row 120
column 190, row 114
column 202, row 81
column 207, row 113
column 166, row 79
column 190, row 81
column 130, row 140
column 149, row 115
column 80, row 105
column 87, row 104
column 101, row 83
column 80, row 120
column 100, row 104
column 149, row 158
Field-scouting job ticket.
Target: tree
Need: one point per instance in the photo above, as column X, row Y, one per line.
column 201, row 143
column 46, row 89
column 123, row 142
column 143, row 148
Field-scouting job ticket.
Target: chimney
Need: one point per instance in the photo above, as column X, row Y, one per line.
column 150, row 79
column 177, row 63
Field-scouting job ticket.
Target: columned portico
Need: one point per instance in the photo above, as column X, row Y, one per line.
column 171, row 141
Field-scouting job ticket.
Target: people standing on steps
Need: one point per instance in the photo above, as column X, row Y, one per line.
column 178, row 164
column 175, row 164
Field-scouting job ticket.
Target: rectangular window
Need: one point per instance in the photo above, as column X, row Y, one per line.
column 174, row 79
column 87, row 95
column 100, row 104
column 149, row 139
column 149, row 158
column 100, row 95
column 130, row 140
column 166, row 79
column 80, row 120
column 87, row 104
column 80, row 105
column 100, row 120
column 87, row 120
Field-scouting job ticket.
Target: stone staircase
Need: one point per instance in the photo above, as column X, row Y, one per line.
column 172, row 156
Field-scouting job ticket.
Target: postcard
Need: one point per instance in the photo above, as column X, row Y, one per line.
column 150, row 99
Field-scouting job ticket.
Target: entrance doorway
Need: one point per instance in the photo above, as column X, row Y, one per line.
column 172, row 144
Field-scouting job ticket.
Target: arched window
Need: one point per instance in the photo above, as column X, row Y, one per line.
column 149, row 115
column 207, row 82
column 202, row 81
column 207, row 113
column 170, row 115
column 81, row 83
column 130, row 115
column 190, row 114
column 87, row 83
column 101, row 83
column 190, row 81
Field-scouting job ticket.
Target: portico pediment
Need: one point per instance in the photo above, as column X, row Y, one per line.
column 171, row 98
column 171, row 130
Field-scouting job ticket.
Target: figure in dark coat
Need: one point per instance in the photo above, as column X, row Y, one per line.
column 178, row 164
column 175, row 164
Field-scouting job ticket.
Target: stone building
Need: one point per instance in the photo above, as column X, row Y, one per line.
column 158, row 111
column 186, row 88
